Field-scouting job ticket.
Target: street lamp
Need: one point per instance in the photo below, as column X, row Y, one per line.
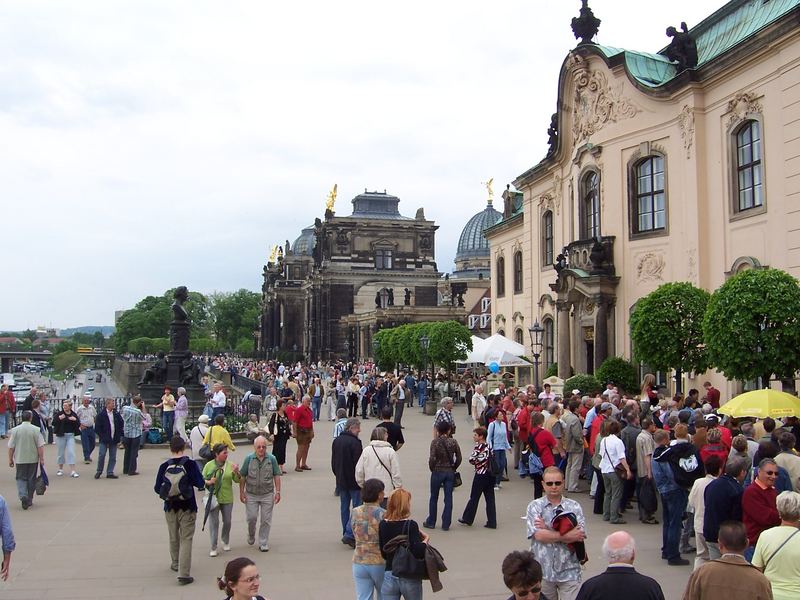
column 536, row 332
column 347, row 349
column 424, row 343
column 376, row 344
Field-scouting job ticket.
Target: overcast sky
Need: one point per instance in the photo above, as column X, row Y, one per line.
column 149, row 144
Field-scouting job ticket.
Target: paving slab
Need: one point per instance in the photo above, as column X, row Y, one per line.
column 88, row 538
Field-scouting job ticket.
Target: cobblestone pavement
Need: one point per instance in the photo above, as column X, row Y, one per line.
column 90, row 538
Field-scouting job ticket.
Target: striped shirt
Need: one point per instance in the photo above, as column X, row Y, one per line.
column 480, row 458
column 132, row 418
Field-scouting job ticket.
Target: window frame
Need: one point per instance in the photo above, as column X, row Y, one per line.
column 518, row 272
column 735, row 168
column 500, row 284
column 584, row 231
column 519, row 336
column 549, row 342
column 633, row 197
column 384, row 257
column 548, row 239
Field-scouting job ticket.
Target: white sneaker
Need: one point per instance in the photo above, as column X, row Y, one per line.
column 59, row 472
column 227, row 547
column 74, row 474
column 213, row 553
column 264, row 548
column 497, row 487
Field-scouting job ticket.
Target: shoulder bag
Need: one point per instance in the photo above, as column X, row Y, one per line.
column 778, row 549
column 457, row 482
column 205, row 452
column 404, row 563
column 384, row 466
column 621, row 472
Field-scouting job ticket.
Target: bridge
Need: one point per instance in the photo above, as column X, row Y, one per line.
column 7, row 358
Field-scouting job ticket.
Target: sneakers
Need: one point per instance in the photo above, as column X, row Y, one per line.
column 213, row 553
column 59, row 472
column 226, row 547
column 74, row 474
column 264, row 548
column 498, row 487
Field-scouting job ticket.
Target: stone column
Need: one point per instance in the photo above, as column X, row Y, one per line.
column 601, row 332
column 564, row 360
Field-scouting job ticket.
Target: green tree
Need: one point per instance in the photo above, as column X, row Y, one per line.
column 98, row 339
column 234, row 316
column 622, row 372
column 667, row 329
column 66, row 360
column 450, row 341
column 587, row 384
column 245, row 346
column 752, row 328
column 64, row 346
column 202, row 345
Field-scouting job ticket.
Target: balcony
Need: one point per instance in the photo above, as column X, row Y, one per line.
column 595, row 256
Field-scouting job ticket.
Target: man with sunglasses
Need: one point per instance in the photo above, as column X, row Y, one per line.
column 759, row 504
column 561, row 567
column 522, row 574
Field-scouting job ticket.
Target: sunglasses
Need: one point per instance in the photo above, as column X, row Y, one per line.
column 553, row 483
column 770, row 473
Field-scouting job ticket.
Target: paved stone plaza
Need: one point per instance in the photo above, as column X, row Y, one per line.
column 107, row 539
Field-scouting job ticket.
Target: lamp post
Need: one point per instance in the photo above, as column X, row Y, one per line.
column 536, row 332
column 424, row 343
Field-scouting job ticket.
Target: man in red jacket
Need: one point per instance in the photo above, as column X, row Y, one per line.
column 759, row 508
column 712, row 395
column 524, row 424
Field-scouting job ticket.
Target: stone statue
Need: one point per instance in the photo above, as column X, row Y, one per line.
column 552, row 134
column 157, row 373
column 190, row 371
column 179, row 328
column 682, row 49
column 420, row 216
column 586, row 25
column 561, row 263
column 273, row 255
column 319, row 240
column 287, row 249
column 377, row 300
column 331, row 198
column 407, row 299
column 391, row 297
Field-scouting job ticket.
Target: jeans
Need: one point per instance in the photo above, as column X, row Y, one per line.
column 87, row 442
column 167, row 422
column 65, row 449
column 180, row 525
column 439, row 479
column 112, row 457
column 394, row 587
column 217, row 410
column 213, row 522
column 265, row 503
column 674, row 505
column 612, row 497
column 26, row 480
column 352, row 405
column 481, row 484
column 502, row 460
column 316, row 403
column 345, row 498
column 129, row 459
column 3, row 424
column 368, row 579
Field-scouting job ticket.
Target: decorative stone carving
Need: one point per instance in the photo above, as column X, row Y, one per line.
column 425, row 242
column 517, row 315
column 686, row 125
column 596, row 102
column 741, row 105
column 650, row 267
column 691, row 271
column 499, row 318
column 551, row 200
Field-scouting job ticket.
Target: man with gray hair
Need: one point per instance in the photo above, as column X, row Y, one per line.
column 620, row 578
column 259, row 491
column 445, row 413
column 478, row 405
column 26, row 453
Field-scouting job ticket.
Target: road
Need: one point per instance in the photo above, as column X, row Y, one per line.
column 106, row 388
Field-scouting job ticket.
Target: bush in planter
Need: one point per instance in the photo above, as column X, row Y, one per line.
column 622, row 372
column 587, row 384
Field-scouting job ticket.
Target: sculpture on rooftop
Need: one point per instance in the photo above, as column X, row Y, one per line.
column 331, row 200
column 682, row 49
column 552, row 134
column 586, row 25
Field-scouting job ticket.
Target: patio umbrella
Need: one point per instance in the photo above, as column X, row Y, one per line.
column 762, row 404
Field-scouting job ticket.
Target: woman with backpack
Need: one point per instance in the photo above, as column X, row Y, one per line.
column 497, row 438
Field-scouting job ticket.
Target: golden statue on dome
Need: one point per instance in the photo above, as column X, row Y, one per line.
column 331, row 198
column 489, row 189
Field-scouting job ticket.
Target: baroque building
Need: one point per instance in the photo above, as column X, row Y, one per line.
column 346, row 277
column 676, row 165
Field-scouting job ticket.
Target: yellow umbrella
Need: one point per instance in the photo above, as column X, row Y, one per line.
column 762, row 404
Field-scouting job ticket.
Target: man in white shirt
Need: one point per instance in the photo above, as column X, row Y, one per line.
column 86, row 415
column 547, row 396
column 478, row 405
column 218, row 401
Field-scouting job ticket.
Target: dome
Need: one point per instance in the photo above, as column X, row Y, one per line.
column 304, row 244
column 472, row 243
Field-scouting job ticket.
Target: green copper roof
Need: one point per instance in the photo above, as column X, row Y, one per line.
column 733, row 23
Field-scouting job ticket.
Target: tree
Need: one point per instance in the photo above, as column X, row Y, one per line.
column 667, row 331
column 234, row 316
column 587, row 384
column 622, row 372
column 751, row 326
column 245, row 346
column 450, row 341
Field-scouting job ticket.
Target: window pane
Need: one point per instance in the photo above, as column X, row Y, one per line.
column 645, row 221
column 659, row 183
column 660, row 220
column 659, row 202
column 757, row 199
column 756, row 174
column 756, row 150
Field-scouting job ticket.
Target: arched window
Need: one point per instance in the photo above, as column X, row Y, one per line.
column 518, row 335
column 501, row 277
column 383, row 298
column 750, row 193
column 547, row 238
column 649, row 204
column 590, row 205
column 501, row 332
column 549, row 345
column 517, row 271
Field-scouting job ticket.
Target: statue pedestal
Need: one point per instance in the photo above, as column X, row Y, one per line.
column 151, row 394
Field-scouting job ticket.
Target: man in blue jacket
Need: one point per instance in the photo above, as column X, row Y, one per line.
column 723, row 499
column 673, row 500
column 108, row 426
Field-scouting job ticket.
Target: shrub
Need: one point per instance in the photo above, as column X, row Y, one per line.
column 587, row 384
column 622, row 372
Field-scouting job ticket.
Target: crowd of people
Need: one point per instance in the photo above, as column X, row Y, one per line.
column 731, row 485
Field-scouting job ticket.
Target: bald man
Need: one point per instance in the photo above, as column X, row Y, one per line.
column 619, row 548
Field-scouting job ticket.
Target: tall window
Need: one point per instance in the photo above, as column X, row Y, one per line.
column 549, row 339
column 501, row 277
column 590, row 206
column 518, row 272
column 547, row 237
column 748, row 166
column 383, row 259
column 649, row 199
column 518, row 335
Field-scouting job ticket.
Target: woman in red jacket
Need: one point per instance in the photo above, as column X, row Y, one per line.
column 543, row 442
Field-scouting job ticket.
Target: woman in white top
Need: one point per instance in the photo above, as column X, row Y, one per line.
column 612, row 453
column 778, row 549
column 196, row 438
column 379, row 461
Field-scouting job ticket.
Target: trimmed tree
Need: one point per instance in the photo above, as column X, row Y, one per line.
column 667, row 329
column 752, row 327
column 587, row 384
column 622, row 372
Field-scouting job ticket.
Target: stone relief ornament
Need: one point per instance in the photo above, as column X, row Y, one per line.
column 692, row 265
column 686, row 125
column 596, row 102
column 741, row 105
column 650, row 267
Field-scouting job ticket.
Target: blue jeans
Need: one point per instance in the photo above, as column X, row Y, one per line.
column 502, row 460
column 65, row 449
column 439, row 479
column 217, row 410
column 345, row 498
column 674, row 505
column 112, row 457
column 393, row 587
column 368, row 579
column 315, row 404
column 87, row 442
column 167, row 422
column 3, row 424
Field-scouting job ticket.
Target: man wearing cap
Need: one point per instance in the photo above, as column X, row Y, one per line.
column 108, row 426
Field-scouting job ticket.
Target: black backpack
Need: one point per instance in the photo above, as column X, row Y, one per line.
column 176, row 484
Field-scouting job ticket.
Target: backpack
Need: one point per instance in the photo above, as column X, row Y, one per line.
column 514, row 425
column 176, row 484
column 483, row 417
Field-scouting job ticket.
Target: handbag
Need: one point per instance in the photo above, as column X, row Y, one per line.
column 41, row 481
column 404, row 563
column 457, row 482
column 205, row 451
column 621, row 472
